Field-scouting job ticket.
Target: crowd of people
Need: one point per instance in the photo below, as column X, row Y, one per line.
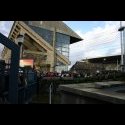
column 110, row 74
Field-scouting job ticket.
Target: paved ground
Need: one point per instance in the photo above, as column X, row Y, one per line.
column 43, row 98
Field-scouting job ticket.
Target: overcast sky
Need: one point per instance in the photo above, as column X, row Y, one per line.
column 5, row 27
column 101, row 38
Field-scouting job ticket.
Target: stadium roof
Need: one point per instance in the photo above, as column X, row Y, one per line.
column 107, row 59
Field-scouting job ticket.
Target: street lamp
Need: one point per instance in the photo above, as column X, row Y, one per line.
column 20, row 40
column 121, row 29
column 104, row 59
column 104, row 62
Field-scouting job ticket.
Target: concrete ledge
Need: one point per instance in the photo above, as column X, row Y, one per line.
column 89, row 90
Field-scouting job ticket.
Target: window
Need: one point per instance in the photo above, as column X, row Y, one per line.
column 45, row 34
column 65, row 49
column 61, row 67
column 41, row 22
column 30, row 22
column 62, row 44
column 65, row 54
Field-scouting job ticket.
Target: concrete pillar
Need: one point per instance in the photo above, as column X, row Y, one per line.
column 124, row 50
column 54, row 50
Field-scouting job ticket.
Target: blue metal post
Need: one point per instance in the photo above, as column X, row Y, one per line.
column 14, row 68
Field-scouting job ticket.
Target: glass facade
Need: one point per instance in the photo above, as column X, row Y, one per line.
column 62, row 43
column 61, row 67
column 44, row 33
column 62, row 46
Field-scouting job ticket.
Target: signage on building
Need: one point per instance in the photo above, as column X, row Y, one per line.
column 26, row 62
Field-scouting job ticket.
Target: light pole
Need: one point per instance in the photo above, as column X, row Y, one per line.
column 121, row 29
column 104, row 62
column 50, row 93
column 20, row 40
column 117, row 65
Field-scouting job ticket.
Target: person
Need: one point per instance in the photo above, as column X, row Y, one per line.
column 38, row 81
column 2, row 83
column 23, row 80
column 2, row 79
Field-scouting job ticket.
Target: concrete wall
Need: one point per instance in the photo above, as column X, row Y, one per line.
column 71, row 98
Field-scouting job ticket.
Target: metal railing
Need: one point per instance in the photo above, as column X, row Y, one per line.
column 25, row 94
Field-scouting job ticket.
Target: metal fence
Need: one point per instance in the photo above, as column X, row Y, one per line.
column 25, row 94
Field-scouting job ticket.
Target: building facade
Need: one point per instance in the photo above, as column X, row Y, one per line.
column 46, row 42
column 109, row 63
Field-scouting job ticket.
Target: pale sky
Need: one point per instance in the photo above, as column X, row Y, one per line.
column 101, row 38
